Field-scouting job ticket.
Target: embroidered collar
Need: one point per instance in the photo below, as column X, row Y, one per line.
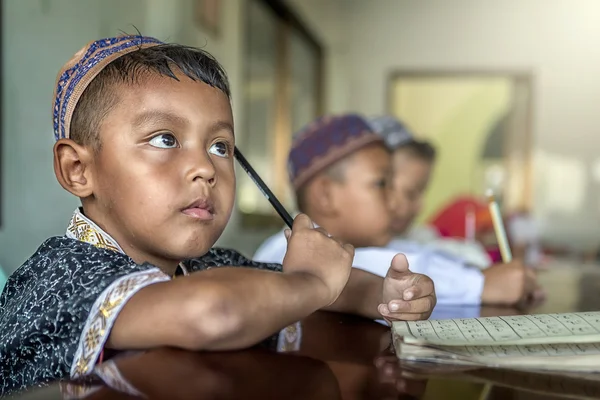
column 85, row 230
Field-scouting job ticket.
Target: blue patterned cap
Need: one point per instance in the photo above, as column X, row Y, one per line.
column 80, row 70
column 393, row 132
column 325, row 141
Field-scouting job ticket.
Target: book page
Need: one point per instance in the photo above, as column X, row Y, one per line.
column 525, row 350
column 581, row 327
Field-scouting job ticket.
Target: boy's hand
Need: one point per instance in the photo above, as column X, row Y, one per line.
column 406, row 296
column 509, row 284
column 311, row 250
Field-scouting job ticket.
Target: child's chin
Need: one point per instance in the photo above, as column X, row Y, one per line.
column 195, row 253
column 191, row 251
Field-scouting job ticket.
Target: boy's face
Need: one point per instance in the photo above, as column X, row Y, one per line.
column 410, row 180
column 163, row 179
column 362, row 198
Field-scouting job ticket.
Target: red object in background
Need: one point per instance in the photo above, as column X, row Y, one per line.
column 451, row 221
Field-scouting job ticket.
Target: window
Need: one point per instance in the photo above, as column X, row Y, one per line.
column 282, row 93
column 481, row 121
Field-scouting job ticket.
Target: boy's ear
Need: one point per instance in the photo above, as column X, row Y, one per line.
column 322, row 196
column 72, row 167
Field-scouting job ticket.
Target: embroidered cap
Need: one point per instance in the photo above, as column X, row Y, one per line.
column 324, row 142
column 80, row 70
column 393, row 132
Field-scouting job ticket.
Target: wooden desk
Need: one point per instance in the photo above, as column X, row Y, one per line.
column 341, row 357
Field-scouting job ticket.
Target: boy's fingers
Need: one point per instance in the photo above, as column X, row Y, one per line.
column 531, row 273
column 325, row 233
column 420, row 286
column 399, row 267
column 302, row 221
column 422, row 305
column 539, row 293
column 404, row 316
column 287, row 233
column 349, row 248
column 530, row 284
column 383, row 309
column 322, row 230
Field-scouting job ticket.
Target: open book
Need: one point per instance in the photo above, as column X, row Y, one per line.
column 561, row 342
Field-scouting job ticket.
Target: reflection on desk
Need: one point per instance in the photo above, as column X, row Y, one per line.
column 176, row 374
column 545, row 384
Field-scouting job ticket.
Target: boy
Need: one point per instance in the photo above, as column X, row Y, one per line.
column 144, row 137
column 340, row 170
column 412, row 164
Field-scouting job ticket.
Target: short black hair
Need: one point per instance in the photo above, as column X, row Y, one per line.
column 421, row 149
column 98, row 99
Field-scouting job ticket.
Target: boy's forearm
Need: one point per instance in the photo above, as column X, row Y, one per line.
column 218, row 309
column 361, row 296
column 263, row 303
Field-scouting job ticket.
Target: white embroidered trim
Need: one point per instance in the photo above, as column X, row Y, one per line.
column 72, row 391
column 183, row 269
column 84, row 229
column 103, row 315
column 110, row 374
column 290, row 338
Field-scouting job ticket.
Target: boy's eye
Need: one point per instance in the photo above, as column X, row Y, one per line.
column 382, row 183
column 220, row 149
column 164, row 141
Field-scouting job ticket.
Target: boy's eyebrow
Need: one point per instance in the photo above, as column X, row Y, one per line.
column 220, row 126
column 154, row 116
column 165, row 117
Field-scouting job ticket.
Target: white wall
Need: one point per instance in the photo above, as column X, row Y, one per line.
column 558, row 40
column 38, row 37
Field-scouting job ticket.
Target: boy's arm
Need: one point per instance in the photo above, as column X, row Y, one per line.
column 361, row 296
column 231, row 308
column 218, row 309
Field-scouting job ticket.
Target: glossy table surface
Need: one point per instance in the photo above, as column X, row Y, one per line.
column 342, row 357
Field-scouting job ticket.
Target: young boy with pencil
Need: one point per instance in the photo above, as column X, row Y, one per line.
column 413, row 161
column 144, row 137
column 341, row 172
column 412, row 164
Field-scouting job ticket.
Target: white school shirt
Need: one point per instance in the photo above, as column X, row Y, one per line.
column 455, row 282
column 471, row 251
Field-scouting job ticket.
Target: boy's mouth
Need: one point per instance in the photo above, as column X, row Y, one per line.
column 201, row 209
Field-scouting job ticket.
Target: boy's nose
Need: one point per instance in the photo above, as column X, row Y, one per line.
column 202, row 168
column 393, row 201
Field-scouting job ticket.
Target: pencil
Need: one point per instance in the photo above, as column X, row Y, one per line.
column 499, row 227
column 287, row 218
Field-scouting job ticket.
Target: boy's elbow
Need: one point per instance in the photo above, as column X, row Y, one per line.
column 211, row 320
